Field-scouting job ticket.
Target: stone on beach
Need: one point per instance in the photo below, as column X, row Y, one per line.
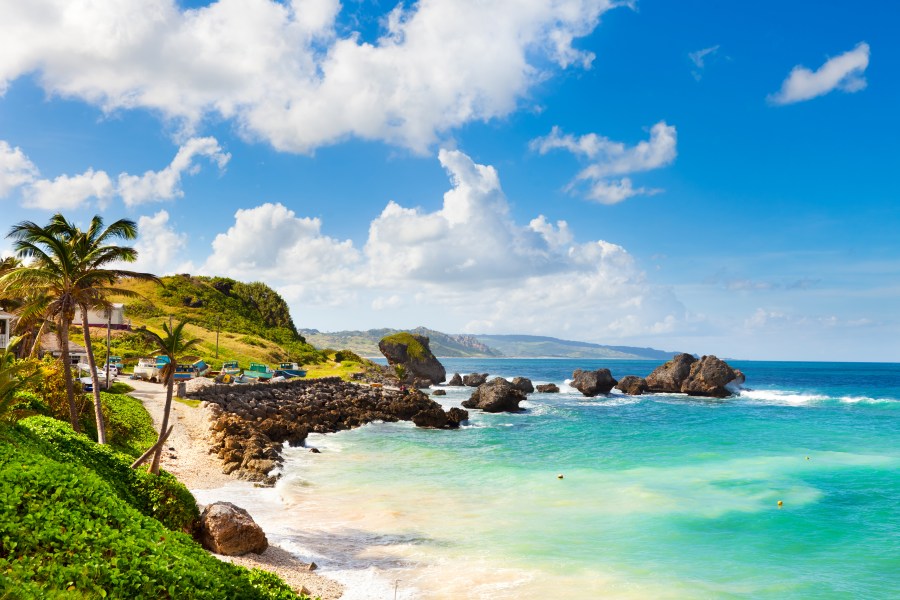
column 230, row 530
column 592, row 383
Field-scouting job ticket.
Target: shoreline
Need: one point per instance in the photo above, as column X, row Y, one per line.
column 187, row 457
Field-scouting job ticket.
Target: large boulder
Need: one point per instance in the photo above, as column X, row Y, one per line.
column 498, row 395
column 709, row 376
column 230, row 530
column 456, row 380
column 475, row 379
column 669, row 377
column 632, row 385
column 412, row 354
column 591, row 383
column 548, row 388
column 524, row 384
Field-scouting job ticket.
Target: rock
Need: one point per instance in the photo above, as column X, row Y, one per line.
column 709, row 376
column 475, row 379
column 632, row 385
column 591, row 383
column 524, row 384
column 498, row 395
column 230, row 530
column 412, row 354
column 312, row 566
column 669, row 377
column 455, row 416
column 456, row 380
column 433, row 417
column 439, row 393
column 548, row 388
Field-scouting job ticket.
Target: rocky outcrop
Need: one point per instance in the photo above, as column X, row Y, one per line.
column 498, row 395
column 230, row 530
column 632, row 385
column 412, row 359
column 548, row 388
column 709, row 376
column 436, row 418
column 592, row 383
column 250, row 423
column 524, row 384
column 456, row 380
column 475, row 379
column 439, row 393
column 667, row 378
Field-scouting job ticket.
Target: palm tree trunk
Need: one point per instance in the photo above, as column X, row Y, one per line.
column 67, row 372
column 95, row 380
column 170, row 384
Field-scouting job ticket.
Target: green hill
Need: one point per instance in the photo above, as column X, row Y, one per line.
column 535, row 346
column 365, row 343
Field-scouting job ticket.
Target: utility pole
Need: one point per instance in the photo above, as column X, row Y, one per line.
column 218, row 318
column 108, row 322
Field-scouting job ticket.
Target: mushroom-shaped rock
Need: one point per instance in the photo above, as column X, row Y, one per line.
column 230, row 530
column 632, row 385
column 548, row 388
column 591, row 383
column 669, row 376
column 411, row 352
column 498, row 395
column 524, row 384
column 708, row 377
column 475, row 379
column 456, row 380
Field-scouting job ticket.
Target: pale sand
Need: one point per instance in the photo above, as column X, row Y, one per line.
column 187, row 456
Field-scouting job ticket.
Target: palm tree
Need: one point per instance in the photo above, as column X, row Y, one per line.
column 172, row 344
column 71, row 267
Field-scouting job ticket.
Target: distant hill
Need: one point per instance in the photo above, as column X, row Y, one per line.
column 365, row 343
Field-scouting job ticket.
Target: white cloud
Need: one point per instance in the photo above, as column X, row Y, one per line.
column 15, row 169
column 699, row 60
column 285, row 72
column 68, row 192
column 166, row 184
column 160, row 248
column 843, row 72
column 467, row 260
column 611, row 160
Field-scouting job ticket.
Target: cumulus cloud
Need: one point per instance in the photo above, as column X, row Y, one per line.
column 166, row 184
column 468, row 264
column 610, row 161
column 160, row 248
column 15, row 169
column 68, row 192
column 287, row 74
column 843, row 72
column 64, row 192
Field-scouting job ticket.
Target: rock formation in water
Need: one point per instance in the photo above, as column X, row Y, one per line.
column 592, row 383
column 412, row 359
column 497, row 395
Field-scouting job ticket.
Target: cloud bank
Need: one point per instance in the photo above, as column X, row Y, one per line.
column 285, row 72
column 843, row 72
column 611, row 162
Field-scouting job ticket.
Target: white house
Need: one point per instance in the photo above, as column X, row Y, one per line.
column 98, row 318
column 5, row 328
column 50, row 345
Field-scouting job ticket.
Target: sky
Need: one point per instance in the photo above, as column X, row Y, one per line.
column 711, row 177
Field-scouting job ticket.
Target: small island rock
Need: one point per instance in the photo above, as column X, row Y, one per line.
column 439, row 393
column 411, row 352
column 524, row 384
column 591, row 383
column 230, row 530
column 475, row 379
column 667, row 378
column 709, row 376
column 632, row 385
column 456, row 380
column 498, row 395
column 548, row 388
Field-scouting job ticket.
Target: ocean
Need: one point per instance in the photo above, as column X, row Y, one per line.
column 661, row 496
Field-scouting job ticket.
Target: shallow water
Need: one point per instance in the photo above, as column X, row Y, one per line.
column 663, row 496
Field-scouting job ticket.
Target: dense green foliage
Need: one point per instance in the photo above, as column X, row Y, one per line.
column 162, row 497
column 65, row 531
column 129, row 428
column 414, row 349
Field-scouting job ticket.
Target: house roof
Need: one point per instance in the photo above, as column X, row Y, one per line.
column 50, row 343
column 6, row 315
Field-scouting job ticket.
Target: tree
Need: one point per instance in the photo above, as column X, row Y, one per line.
column 71, row 269
column 13, row 378
column 172, row 344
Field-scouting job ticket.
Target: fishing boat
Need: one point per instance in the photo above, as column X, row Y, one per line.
column 259, row 371
column 230, row 367
column 289, row 370
column 115, row 361
column 147, row 369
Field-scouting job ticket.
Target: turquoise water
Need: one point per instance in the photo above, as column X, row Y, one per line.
column 661, row 497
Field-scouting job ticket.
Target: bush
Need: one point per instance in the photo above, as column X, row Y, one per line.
column 129, row 428
column 347, row 355
column 64, row 532
column 162, row 497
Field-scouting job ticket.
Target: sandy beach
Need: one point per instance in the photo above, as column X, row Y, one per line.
column 187, row 457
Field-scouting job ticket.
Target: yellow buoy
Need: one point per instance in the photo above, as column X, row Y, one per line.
column 807, row 458
column 780, row 503
column 560, row 476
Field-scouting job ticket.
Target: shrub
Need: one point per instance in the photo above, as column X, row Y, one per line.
column 129, row 428
column 65, row 533
column 347, row 355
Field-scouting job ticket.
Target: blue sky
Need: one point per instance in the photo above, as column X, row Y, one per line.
column 711, row 177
